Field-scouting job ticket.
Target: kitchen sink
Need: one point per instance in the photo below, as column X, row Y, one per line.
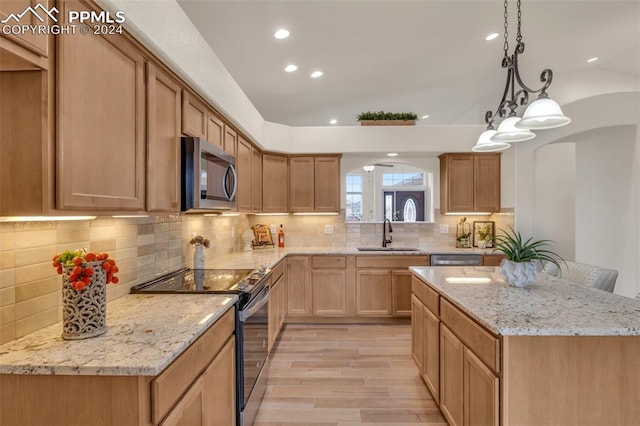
column 387, row 249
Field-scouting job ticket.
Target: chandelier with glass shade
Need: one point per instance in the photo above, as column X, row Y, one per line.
column 543, row 113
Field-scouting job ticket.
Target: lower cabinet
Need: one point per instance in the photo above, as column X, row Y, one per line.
column 277, row 302
column 211, row 398
column 401, row 292
column 298, row 286
column 373, row 292
column 456, row 359
column 329, row 292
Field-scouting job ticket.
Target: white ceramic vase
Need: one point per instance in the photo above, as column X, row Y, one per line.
column 518, row 274
column 84, row 312
column 198, row 257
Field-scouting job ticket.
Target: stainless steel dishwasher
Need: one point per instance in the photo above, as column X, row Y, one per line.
column 456, row 259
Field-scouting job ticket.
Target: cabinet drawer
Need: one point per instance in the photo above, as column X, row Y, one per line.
column 426, row 294
column 173, row 382
column 277, row 271
column 391, row 261
column 328, row 262
column 484, row 345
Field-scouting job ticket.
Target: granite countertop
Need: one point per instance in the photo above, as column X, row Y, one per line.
column 146, row 332
column 269, row 256
column 549, row 307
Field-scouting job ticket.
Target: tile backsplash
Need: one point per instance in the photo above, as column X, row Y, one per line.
column 145, row 247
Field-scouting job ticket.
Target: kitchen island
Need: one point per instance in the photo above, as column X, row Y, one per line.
column 554, row 353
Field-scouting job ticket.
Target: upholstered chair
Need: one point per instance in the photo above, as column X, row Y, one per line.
column 582, row 273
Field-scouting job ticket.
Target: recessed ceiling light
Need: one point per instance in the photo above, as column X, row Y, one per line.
column 595, row 58
column 492, row 36
column 291, row 68
column 333, row 121
column 316, row 74
column 425, row 116
column 392, row 154
column 281, row 33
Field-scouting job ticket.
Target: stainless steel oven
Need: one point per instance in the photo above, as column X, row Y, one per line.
column 252, row 334
column 252, row 330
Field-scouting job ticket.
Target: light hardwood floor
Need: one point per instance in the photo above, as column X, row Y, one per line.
column 343, row 375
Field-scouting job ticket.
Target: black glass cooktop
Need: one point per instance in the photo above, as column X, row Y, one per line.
column 203, row 281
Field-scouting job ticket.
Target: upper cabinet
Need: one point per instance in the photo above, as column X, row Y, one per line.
column 101, row 122
column 244, row 169
column 275, row 172
column 256, row 180
column 469, row 182
column 194, row 117
column 163, row 141
column 314, row 183
column 32, row 41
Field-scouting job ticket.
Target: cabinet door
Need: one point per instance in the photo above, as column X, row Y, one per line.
column 481, row 393
column 417, row 332
column 101, row 122
column 298, row 286
column 431, row 351
column 163, row 141
column 230, row 140
column 373, row 292
column 451, row 358
column 401, row 292
column 486, row 178
column 243, row 166
column 273, row 314
column 194, row 116
column 189, row 410
column 327, row 185
column 301, row 184
column 219, row 388
column 256, row 180
column 329, row 292
column 215, row 130
column 37, row 43
column 274, row 183
column 459, row 182
column 283, row 301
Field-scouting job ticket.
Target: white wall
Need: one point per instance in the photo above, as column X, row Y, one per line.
column 555, row 197
column 607, row 183
column 606, row 204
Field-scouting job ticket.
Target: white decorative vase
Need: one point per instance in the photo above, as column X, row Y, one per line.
column 198, row 257
column 84, row 312
column 518, row 274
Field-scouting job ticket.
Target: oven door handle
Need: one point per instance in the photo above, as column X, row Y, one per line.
column 255, row 305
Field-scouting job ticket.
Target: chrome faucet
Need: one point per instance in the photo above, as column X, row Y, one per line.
column 386, row 241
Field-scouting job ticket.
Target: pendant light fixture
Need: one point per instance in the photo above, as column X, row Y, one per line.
column 544, row 113
column 485, row 144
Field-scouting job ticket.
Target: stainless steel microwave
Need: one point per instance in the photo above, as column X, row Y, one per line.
column 209, row 178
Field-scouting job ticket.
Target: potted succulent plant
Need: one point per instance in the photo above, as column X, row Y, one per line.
column 382, row 118
column 523, row 257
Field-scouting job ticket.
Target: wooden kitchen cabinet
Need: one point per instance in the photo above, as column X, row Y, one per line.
column 36, row 43
column 194, row 116
column 417, row 332
column 230, row 141
column 215, row 129
column 492, row 259
column 469, row 182
column 256, row 180
column 329, row 285
column 373, row 292
column 277, row 301
column 299, row 295
column 190, row 409
column 275, row 172
column 425, row 333
column 163, row 141
column 481, row 392
column 101, row 122
column 401, row 292
column 451, row 377
column 314, row 183
column 245, row 171
column 301, row 184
